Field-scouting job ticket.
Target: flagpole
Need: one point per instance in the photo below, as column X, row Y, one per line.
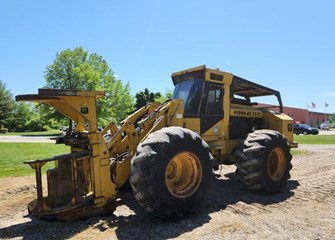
column 312, row 119
column 326, row 105
column 308, row 114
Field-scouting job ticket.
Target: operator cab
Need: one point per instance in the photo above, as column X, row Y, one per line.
column 202, row 92
column 210, row 94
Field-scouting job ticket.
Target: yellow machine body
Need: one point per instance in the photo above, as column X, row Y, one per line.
column 224, row 134
column 85, row 182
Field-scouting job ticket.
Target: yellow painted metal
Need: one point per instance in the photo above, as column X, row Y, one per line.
column 279, row 122
column 219, row 76
column 169, row 114
column 80, row 106
column 276, row 164
column 126, row 139
column 214, row 133
column 3, row 129
column 183, row 174
column 226, row 108
column 218, row 135
column 192, row 124
column 194, row 69
column 245, row 111
column 175, row 113
column 109, row 163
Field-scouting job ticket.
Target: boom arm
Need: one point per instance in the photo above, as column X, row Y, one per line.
column 135, row 129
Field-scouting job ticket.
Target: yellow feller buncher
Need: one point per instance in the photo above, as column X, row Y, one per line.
column 3, row 130
column 167, row 151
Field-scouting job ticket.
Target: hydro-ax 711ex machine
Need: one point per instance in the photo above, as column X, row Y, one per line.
column 167, row 151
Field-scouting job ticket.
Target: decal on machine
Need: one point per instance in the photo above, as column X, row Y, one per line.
column 246, row 113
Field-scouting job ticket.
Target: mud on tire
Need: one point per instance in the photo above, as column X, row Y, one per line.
column 264, row 161
column 171, row 172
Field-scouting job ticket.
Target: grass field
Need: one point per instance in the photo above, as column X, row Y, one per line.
column 14, row 154
column 315, row 139
column 298, row 152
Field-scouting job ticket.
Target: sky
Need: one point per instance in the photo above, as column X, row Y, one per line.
column 285, row 45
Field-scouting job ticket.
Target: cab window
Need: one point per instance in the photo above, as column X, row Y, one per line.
column 214, row 106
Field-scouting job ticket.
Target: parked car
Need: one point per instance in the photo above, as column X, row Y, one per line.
column 304, row 129
column 324, row 126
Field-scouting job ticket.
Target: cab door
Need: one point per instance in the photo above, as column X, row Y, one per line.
column 212, row 108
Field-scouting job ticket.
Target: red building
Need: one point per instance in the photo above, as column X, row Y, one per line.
column 300, row 115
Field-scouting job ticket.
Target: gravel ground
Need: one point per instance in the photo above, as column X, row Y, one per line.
column 305, row 210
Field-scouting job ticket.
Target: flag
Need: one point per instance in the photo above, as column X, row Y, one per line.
column 313, row 105
column 326, row 105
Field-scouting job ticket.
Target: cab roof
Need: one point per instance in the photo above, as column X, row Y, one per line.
column 241, row 86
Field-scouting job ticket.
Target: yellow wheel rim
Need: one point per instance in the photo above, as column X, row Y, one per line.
column 276, row 164
column 183, row 174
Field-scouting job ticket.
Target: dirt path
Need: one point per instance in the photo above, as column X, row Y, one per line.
column 34, row 139
column 305, row 210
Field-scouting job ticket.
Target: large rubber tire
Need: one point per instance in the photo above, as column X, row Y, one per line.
column 264, row 161
column 171, row 172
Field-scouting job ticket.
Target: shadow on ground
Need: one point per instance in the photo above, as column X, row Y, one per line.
column 40, row 135
column 224, row 192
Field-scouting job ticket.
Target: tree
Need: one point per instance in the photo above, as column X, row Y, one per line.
column 145, row 97
column 7, row 104
column 27, row 117
column 17, row 116
column 163, row 98
column 21, row 117
column 332, row 119
column 77, row 69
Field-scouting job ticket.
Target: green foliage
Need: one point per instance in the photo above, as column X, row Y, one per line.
column 7, row 104
column 145, row 97
column 14, row 154
column 77, row 69
column 50, row 116
column 117, row 103
column 27, row 117
column 52, row 124
column 315, row 139
column 332, row 118
column 162, row 98
column 21, row 117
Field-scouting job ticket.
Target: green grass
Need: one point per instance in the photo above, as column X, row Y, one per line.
column 14, row 154
column 37, row 134
column 298, row 152
column 315, row 139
